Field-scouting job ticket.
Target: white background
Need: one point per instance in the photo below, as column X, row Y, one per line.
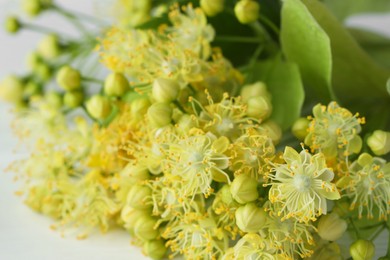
column 25, row 234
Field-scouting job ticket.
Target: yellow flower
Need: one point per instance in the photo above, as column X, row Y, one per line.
column 302, row 186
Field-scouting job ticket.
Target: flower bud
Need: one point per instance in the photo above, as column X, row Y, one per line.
column 252, row 90
column 300, row 127
column 185, row 123
column 379, row 142
column 116, row 84
column 32, row 7
column 331, row 227
column 145, row 228
column 250, row 218
column 212, row 7
column 138, row 196
column 247, row 11
column 33, row 60
column 49, row 47
column 73, row 99
column 165, row 90
column 160, row 114
column 226, row 195
column 244, row 189
column 362, row 250
column 11, row 89
column 54, row 99
column 273, row 130
column 43, row 71
column 134, row 173
column 12, row 25
column 69, row 78
column 99, row 107
column 130, row 216
column 155, row 249
column 259, row 107
column 31, row 89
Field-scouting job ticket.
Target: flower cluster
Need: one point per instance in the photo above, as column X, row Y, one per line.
column 186, row 150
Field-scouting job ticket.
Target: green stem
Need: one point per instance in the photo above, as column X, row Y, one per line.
column 72, row 19
column 40, row 29
column 378, row 232
column 238, row 39
column 354, row 228
column 98, row 81
column 179, row 106
column 92, row 19
column 270, row 24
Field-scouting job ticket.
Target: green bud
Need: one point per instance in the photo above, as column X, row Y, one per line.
column 31, row 89
column 73, row 99
column 11, row 89
column 138, row 196
column 212, row 7
column 226, row 195
column 155, row 249
column 250, row 218
column 43, row 71
column 331, row 227
column 49, row 47
column 247, row 11
column 252, row 90
column 145, row 228
column 33, row 60
column 273, row 130
column 379, row 142
column 134, row 173
column 160, row 114
column 35, row 7
column 116, row 84
column 99, row 107
column 12, row 25
column 185, row 123
column 244, row 189
column 130, row 216
column 300, row 127
column 259, row 107
column 54, row 99
column 362, row 250
column 165, row 90
column 69, row 78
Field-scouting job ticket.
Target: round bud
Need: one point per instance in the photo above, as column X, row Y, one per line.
column 138, row 196
column 244, row 189
column 212, row 7
column 259, row 107
column 155, row 249
column 69, row 78
column 362, row 250
column 165, row 90
column 185, row 123
column 250, row 218
column 12, row 25
column 130, row 216
column 226, row 195
column 160, row 114
column 247, row 11
column 252, row 90
column 145, row 228
column 32, row 7
column 116, row 84
column 11, row 89
column 300, row 127
column 99, row 107
column 134, row 173
column 43, row 71
column 331, row 227
column 49, row 47
column 273, row 130
column 54, row 99
column 33, row 60
column 31, row 89
column 379, row 142
column 73, row 99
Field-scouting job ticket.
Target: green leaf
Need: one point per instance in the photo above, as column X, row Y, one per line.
column 305, row 43
column 355, row 75
column 345, row 8
column 376, row 45
column 285, row 85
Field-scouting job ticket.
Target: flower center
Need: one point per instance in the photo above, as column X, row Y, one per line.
column 302, row 182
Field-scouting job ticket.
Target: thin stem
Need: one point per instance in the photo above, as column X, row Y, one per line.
column 378, row 232
column 86, row 17
column 72, row 19
column 179, row 106
column 354, row 228
column 98, row 81
column 270, row 24
column 40, row 29
column 226, row 38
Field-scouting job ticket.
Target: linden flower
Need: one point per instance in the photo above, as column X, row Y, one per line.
column 334, row 131
column 250, row 154
column 226, row 118
column 251, row 246
column 195, row 237
column 302, row 186
column 368, row 185
column 197, row 160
